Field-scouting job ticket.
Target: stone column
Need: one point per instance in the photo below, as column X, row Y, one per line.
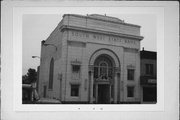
column 116, row 82
column 118, row 87
column 115, row 88
column 91, row 82
column 96, row 99
column 110, row 93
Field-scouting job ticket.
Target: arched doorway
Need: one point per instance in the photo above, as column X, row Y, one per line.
column 104, row 77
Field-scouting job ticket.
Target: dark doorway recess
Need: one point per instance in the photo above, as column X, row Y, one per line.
column 103, row 94
column 149, row 94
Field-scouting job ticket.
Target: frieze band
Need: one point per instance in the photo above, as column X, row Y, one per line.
column 101, row 37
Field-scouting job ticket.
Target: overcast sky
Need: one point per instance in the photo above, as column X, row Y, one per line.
column 38, row 27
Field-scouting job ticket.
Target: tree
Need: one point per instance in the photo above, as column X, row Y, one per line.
column 25, row 79
column 30, row 77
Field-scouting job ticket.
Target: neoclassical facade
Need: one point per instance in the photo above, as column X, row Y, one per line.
column 91, row 59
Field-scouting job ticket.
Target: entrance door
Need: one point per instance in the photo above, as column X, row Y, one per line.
column 149, row 94
column 103, row 94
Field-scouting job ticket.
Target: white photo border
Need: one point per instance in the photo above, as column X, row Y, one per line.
column 18, row 13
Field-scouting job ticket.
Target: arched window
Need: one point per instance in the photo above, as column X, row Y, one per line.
column 51, row 72
column 103, row 67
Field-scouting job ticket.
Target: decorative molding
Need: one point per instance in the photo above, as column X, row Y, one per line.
column 76, row 43
column 118, row 69
column 132, row 50
column 91, row 68
column 131, row 66
column 101, row 19
column 62, row 28
column 107, row 52
column 76, row 62
column 75, row 82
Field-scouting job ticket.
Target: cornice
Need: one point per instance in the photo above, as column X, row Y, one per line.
column 91, row 17
column 62, row 28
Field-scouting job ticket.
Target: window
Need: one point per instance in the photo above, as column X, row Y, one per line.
column 149, row 69
column 130, row 74
column 51, row 72
column 76, row 68
column 130, row 91
column 74, row 90
column 75, row 72
column 103, row 68
column 96, row 69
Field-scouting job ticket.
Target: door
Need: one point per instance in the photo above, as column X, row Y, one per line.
column 103, row 94
column 149, row 94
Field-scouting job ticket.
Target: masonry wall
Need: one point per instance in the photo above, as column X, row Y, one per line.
column 132, row 60
column 47, row 53
column 81, row 50
column 78, row 45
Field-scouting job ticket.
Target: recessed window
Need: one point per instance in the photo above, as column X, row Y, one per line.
column 103, row 68
column 130, row 74
column 130, row 91
column 149, row 69
column 75, row 72
column 51, row 72
column 76, row 68
column 74, row 90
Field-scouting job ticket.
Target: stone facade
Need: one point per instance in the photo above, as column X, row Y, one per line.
column 92, row 58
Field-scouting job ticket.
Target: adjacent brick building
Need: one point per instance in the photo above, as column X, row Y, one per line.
column 91, row 59
column 148, row 76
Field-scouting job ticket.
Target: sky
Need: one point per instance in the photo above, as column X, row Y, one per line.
column 37, row 27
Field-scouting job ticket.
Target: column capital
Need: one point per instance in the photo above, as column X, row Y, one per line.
column 117, row 70
column 91, row 68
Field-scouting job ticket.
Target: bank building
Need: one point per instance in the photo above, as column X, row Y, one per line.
column 93, row 59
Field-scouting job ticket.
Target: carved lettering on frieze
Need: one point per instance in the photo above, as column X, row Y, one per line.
column 80, row 34
column 100, row 37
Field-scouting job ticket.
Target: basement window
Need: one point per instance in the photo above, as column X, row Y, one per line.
column 130, row 91
column 74, row 90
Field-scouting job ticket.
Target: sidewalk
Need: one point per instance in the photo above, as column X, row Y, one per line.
column 48, row 101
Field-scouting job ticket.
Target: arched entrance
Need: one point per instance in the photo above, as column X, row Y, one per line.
column 104, row 81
